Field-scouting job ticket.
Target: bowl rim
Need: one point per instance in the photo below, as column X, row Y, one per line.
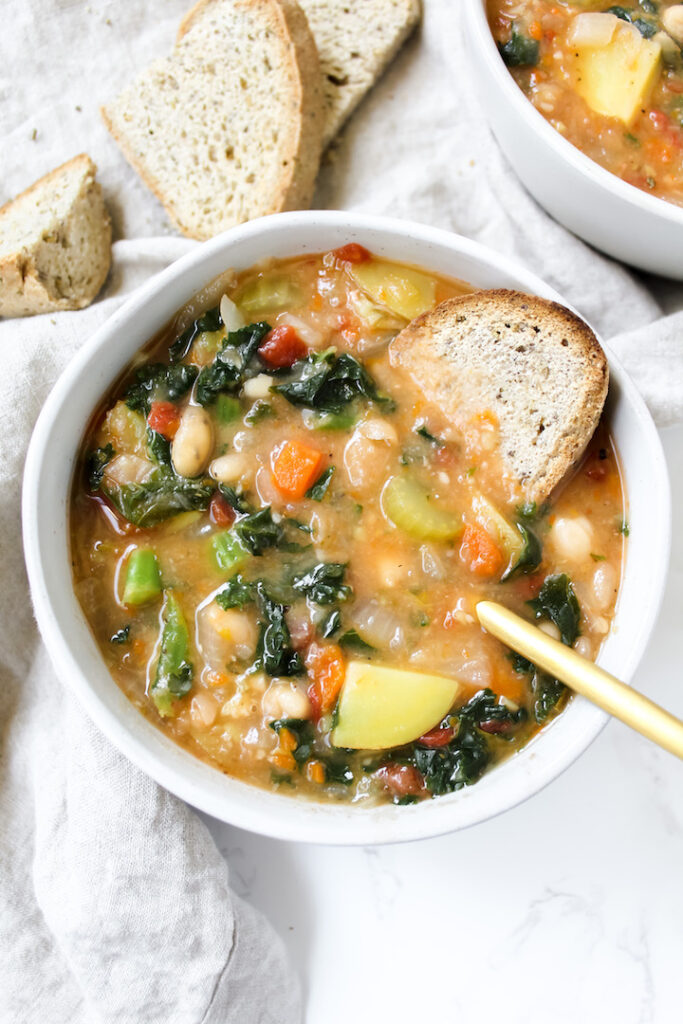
column 183, row 774
column 571, row 154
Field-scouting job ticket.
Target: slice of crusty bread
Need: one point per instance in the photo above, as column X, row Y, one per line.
column 55, row 242
column 533, row 363
column 229, row 126
column 355, row 41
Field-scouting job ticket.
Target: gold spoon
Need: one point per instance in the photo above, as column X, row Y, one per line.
column 603, row 689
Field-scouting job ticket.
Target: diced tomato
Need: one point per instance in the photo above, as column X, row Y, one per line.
column 326, row 668
column 221, row 511
column 527, row 587
column 164, row 417
column 659, row 120
column 295, row 467
column 282, row 347
column 595, row 468
column 479, row 552
column 401, row 779
column 353, row 253
column 437, row 737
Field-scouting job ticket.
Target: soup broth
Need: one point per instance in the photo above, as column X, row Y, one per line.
column 279, row 545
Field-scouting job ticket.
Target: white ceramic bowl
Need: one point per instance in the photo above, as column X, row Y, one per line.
column 48, row 475
column 605, row 211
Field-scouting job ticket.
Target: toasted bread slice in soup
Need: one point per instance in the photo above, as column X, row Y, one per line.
column 531, row 365
column 55, row 242
column 229, row 126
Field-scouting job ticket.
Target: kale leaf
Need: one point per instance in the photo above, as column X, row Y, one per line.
column 258, row 531
column 324, row 583
column 355, row 642
column 95, row 465
column 235, row 499
column 216, row 379
column 461, row 762
column 274, row 651
column 320, row 488
column 330, row 624
column 236, row 593
column 235, row 362
column 121, row 636
column 165, row 495
column 646, row 27
column 328, row 383
column 423, row 432
column 303, row 732
column 519, row 51
column 530, row 557
column 159, row 447
column 557, row 601
column 159, row 381
column 547, row 691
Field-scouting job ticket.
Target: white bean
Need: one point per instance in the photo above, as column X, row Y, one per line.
column 367, row 452
column 584, row 647
column 572, row 538
column 229, row 469
column 193, row 443
column 550, row 629
column 285, row 700
column 672, row 20
column 203, row 709
column 258, row 387
column 604, row 586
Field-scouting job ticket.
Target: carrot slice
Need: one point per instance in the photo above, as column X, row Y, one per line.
column 325, row 666
column 295, row 468
column 479, row 552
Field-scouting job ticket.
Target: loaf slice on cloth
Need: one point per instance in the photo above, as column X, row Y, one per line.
column 229, row 126
column 55, row 242
column 534, row 365
column 356, row 42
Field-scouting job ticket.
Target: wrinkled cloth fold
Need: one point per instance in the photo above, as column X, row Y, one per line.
column 115, row 904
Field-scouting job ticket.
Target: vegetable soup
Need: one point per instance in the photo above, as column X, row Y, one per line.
column 608, row 78
column 279, row 544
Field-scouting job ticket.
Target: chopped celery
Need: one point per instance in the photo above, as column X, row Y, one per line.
column 402, row 290
column 143, row 578
column 228, row 550
column 268, row 293
column 227, row 409
column 314, row 420
column 180, row 522
column 173, row 677
column 410, row 507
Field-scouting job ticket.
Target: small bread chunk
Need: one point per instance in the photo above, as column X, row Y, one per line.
column 356, row 42
column 532, row 363
column 55, row 242
column 229, row 126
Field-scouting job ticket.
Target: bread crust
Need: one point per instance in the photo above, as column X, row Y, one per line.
column 26, row 286
column 297, row 175
column 536, row 365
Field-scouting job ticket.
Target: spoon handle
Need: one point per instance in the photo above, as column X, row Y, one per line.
column 603, row 689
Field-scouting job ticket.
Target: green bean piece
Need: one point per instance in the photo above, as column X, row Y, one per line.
column 173, row 678
column 143, row 578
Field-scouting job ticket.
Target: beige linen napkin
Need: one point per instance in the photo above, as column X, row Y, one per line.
column 115, row 903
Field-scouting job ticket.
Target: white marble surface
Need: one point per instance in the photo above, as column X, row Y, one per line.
column 566, row 910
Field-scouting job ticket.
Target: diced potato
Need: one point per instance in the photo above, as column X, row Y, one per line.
column 402, row 290
column 126, row 430
column 384, row 707
column 616, row 80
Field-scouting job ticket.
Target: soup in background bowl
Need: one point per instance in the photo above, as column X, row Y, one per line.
column 630, row 223
column 378, row 541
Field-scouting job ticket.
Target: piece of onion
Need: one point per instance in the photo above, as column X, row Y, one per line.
column 311, row 335
column 230, row 315
column 592, row 29
column 378, row 625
